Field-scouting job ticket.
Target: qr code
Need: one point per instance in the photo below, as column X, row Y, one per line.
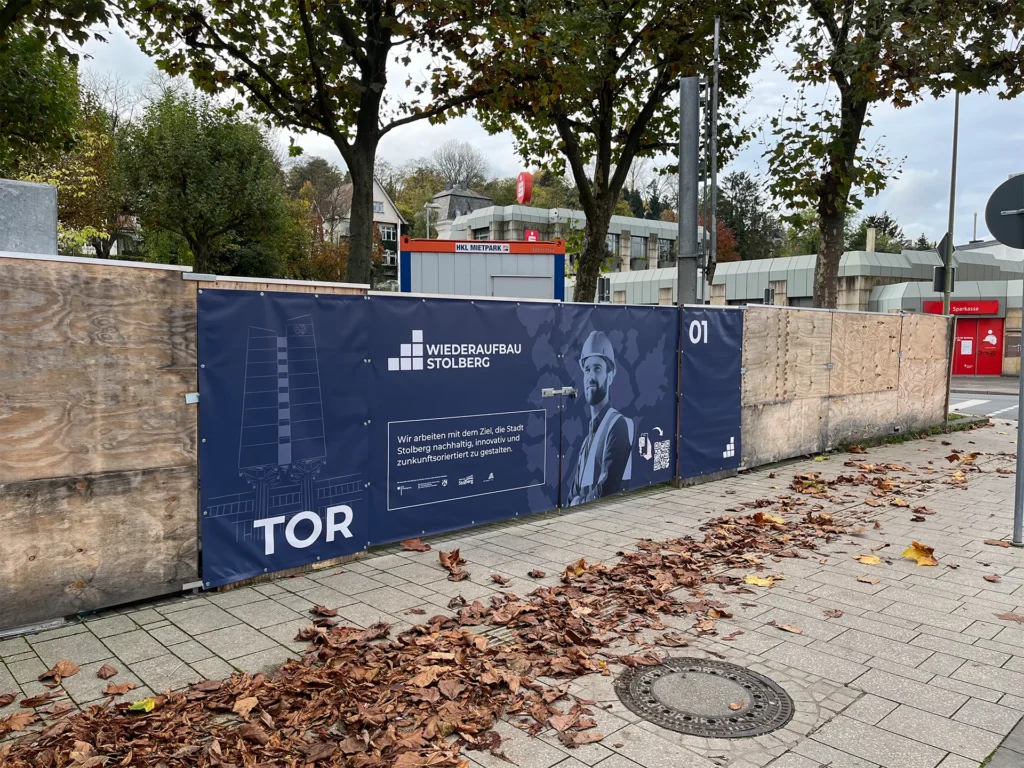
column 661, row 454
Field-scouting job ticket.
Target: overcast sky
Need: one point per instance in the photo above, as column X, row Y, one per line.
column 991, row 144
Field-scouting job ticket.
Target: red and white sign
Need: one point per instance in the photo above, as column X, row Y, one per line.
column 987, row 307
column 524, row 187
column 532, row 236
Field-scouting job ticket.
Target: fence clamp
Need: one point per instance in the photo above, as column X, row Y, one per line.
column 829, row 366
column 556, row 391
column 191, row 398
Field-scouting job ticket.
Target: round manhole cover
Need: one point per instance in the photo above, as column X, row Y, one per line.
column 707, row 698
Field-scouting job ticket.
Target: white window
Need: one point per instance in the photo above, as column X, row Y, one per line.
column 378, row 207
column 388, row 233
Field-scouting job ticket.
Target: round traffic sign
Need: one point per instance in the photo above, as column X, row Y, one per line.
column 1004, row 213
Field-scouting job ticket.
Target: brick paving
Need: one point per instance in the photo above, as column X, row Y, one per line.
column 917, row 672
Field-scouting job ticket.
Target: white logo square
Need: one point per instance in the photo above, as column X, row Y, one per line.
column 392, row 363
column 406, row 363
column 417, row 363
column 406, row 350
column 417, row 337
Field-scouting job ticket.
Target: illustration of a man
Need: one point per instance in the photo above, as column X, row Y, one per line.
column 604, row 458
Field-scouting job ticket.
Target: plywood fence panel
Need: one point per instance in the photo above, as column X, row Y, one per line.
column 924, row 367
column 863, row 416
column 233, row 285
column 785, row 354
column 776, row 431
column 95, row 361
column 79, row 543
column 808, row 352
column 764, row 361
column 865, row 349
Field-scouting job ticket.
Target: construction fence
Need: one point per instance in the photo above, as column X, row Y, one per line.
column 330, row 419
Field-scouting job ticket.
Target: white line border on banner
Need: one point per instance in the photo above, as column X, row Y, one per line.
column 544, row 465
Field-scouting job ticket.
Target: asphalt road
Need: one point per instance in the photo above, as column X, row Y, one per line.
column 999, row 406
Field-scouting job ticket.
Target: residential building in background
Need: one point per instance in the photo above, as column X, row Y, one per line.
column 453, row 201
column 385, row 214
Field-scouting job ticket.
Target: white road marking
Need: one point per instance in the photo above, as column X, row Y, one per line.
column 1004, row 410
column 967, row 404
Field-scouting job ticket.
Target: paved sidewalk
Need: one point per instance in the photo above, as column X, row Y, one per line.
column 985, row 385
column 916, row 672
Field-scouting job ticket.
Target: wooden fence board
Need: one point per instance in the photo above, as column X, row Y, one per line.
column 865, row 349
column 95, row 361
column 764, row 342
column 863, row 416
column 923, row 372
column 808, row 353
column 776, row 431
column 79, row 543
column 785, row 354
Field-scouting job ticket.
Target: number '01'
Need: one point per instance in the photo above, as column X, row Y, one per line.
column 699, row 332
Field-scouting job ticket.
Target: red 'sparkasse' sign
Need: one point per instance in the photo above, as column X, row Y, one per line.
column 985, row 307
column 524, row 188
column 532, row 235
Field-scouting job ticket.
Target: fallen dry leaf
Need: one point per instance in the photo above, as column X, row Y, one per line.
column 868, row 559
column 61, row 669
column 868, row 580
column 106, row 671
column 1010, row 617
column 763, row 518
column 417, row 611
column 735, row 705
column 992, row 577
column 57, row 708
column 451, row 562
column 574, row 739
column 922, row 553
column 118, row 689
column 833, row 613
column 323, row 610
column 16, row 721
column 898, row 502
column 7, row 698
column 856, row 449
column 1004, row 471
column 497, row 578
column 38, row 701
column 245, row 706
column 415, row 545
column 997, row 543
column 536, row 573
column 791, row 628
column 759, row 581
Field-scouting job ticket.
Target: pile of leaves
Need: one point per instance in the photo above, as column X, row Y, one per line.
column 359, row 699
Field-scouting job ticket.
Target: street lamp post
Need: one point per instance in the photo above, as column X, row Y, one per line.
column 948, row 261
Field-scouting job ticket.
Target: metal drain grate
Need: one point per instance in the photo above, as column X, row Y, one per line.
column 693, row 696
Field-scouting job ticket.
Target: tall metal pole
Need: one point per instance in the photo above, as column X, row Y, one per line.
column 426, row 210
column 713, row 144
column 1018, row 499
column 689, row 128
column 952, row 206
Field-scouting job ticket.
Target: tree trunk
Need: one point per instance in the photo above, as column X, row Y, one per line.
column 826, row 269
column 595, row 252
column 360, row 227
column 833, row 197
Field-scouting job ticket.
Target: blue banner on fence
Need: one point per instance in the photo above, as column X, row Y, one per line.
column 461, row 435
column 618, row 432
column 711, row 387
column 283, row 383
column 329, row 423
